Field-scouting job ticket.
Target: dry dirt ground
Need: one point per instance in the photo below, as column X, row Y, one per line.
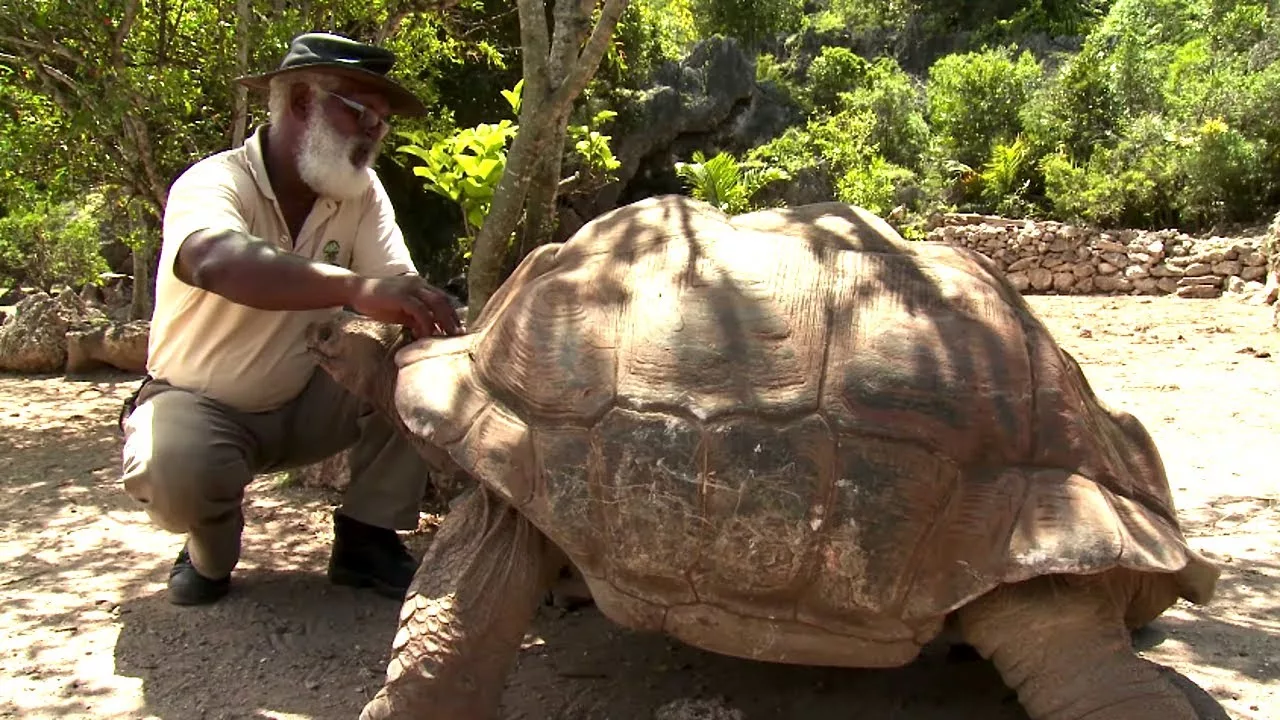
column 85, row 630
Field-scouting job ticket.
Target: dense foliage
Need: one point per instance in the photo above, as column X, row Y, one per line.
column 1143, row 113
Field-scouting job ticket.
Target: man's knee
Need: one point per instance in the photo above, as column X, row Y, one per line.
column 177, row 469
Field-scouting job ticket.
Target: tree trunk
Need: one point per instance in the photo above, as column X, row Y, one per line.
column 490, row 245
column 240, row 112
column 540, row 202
column 140, row 301
column 555, row 72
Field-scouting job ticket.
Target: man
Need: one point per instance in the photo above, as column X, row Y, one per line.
column 258, row 242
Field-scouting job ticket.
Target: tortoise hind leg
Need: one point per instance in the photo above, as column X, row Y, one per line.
column 470, row 603
column 1062, row 644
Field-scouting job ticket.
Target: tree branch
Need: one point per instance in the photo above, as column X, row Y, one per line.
column 122, row 32
column 52, row 48
column 589, row 59
column 573, row 20
column 533, row 32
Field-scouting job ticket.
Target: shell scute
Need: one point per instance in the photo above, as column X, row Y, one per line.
column 765, row 501
column 651, row 496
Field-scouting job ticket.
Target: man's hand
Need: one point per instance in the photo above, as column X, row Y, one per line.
column 409, row 301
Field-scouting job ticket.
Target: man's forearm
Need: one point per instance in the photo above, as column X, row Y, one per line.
column 254, row 273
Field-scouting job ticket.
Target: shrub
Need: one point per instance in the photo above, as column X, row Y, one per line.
column 974, row 101
column 50, row 244
column 724, row 182
column 751, row 21
column 834, row 71
column 895, row 104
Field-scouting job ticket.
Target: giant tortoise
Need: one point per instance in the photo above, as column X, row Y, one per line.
column 790, row 436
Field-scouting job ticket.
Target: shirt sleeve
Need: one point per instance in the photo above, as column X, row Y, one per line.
column 380, row 250
column 202, row 198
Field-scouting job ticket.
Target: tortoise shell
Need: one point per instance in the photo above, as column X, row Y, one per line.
column 759, row 432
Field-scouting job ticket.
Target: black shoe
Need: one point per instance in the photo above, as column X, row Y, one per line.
column 369, row 556
column 188, row 587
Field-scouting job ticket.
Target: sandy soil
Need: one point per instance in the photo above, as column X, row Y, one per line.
column 85, row 631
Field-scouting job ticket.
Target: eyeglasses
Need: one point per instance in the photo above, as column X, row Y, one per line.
column 367, row 117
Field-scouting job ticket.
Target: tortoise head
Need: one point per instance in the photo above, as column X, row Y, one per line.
column 359, row 353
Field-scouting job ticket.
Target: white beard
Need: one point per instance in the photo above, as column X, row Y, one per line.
column 325, row 161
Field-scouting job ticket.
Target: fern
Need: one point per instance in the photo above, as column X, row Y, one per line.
column 724, row 182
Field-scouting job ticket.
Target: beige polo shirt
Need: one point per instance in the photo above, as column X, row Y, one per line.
column 254, row 359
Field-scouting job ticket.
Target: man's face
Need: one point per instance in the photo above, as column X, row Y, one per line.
column 340, row 140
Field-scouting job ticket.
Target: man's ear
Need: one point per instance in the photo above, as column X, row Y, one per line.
column 301, row 100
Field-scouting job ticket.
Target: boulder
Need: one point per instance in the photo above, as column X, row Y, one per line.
column 35, row 340
column 120, row 345
column 694, row 97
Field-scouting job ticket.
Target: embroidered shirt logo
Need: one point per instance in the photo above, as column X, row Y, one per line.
column 331, row 252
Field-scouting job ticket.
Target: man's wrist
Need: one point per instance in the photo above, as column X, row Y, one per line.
column 349, row 287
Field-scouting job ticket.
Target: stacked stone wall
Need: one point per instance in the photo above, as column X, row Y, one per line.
column 1052, row 257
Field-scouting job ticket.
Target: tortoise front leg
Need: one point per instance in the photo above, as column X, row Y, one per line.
column 470, row 603
column 1062, row 644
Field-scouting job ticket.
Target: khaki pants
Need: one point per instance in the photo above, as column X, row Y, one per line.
column 187, row 460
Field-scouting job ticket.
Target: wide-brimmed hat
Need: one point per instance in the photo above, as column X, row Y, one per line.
column 337, row 55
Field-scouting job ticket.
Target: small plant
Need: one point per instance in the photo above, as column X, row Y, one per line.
column 724, row 182
column 467, row 166
column 1004, row 182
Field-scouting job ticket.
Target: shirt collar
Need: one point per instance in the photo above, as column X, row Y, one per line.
column 257, row 163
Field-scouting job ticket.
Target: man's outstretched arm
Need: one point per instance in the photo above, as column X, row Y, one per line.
column 253, row 272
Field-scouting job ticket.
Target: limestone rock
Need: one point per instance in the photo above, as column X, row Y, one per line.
column 1253, row 272
column 1227, row 268
column 35, row 341
column 119, row 345
column 1084, row 270
column 1111, row 283
column 1200, row 281
column 1025, row 263
column 1041, row 279
column 1020, row 281
column 1201, row 292
column 1146, row 285
column 1133, row 272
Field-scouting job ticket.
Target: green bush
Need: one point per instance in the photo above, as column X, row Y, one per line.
column 895, row 104
column 860, row 15
column 51, row 244
column 648, row 33
column 751, row 21
column 874, row 185
column 841, row 147
column 1076, row 110
column 724, row 182
column 1005, row 179
column 1218, row 166
column 974, row 100
column 834, row 71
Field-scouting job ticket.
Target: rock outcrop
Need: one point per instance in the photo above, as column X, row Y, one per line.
column 34, row 341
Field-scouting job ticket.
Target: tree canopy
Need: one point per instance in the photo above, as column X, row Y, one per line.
column 1146, row 113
